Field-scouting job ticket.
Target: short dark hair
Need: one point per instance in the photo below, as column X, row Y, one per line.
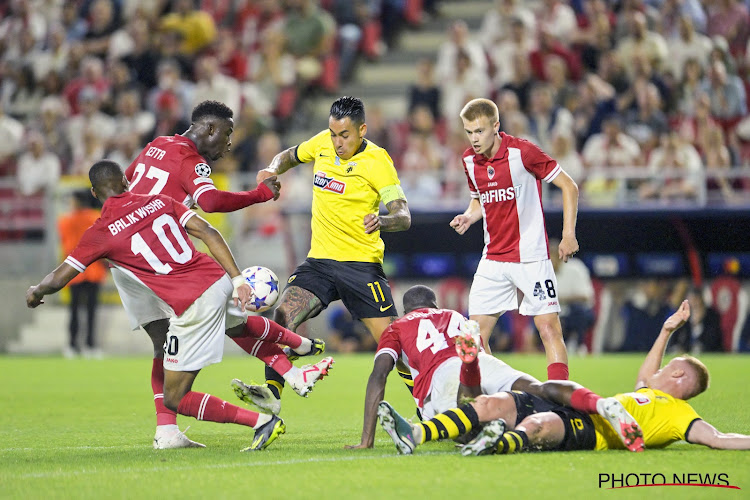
column 104, row 173
column 349, row 106
column 418, row 297
column 211, row 108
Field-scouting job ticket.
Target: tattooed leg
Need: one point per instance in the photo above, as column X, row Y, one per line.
column 297, row 306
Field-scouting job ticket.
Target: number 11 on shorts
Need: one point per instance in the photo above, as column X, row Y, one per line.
column 373, row 285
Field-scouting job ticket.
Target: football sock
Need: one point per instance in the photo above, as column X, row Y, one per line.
column 470, row 375
column 407, row 379
column 270, row 331
column 271, row 354
column 513, row 442
column 557, row 371
column 207, row 407
column 584, row 400
column 450, row 424
column 164, row 416
column 275, row 382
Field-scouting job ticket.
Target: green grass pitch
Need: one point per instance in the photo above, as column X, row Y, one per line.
column 83, row 429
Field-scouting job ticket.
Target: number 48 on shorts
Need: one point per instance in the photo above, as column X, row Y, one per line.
column 542, row 292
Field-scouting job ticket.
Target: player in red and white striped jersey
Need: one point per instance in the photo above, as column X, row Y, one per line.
column 505, row 175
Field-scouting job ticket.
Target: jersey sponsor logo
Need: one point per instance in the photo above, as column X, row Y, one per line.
column 328, row 183
column 203, row 169
column 490, row 171
column 639, row 398
column 502, row 194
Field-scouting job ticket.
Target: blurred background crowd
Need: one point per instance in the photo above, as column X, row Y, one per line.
column 643, row 102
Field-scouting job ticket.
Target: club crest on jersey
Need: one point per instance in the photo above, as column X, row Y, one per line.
column 490, row 171
column 203, row 169
column 328, row 183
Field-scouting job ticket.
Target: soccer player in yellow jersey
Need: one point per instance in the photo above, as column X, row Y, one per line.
column 352, row 177
column 520, row 420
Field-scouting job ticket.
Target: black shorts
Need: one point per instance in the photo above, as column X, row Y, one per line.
column 579, row 429
column 361, row 286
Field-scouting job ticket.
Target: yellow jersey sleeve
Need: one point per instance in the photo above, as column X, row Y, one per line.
column 308, row 150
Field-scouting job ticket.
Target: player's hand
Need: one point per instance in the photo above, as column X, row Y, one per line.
column 461, row 223
column 360, row 446
column 263, row 175
column 679, row 318
column 274, row 185
column 32, row 300
column 242, row 293
column 372, row 223
column 568, row 248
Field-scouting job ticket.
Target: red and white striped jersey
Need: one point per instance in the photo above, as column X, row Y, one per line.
column 145, row 236
column 509, row 189
column 171, row 165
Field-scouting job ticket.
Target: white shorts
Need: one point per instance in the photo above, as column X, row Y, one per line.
column 196, row 337
column 496, row 377
column 496, row 285
column 143, row 306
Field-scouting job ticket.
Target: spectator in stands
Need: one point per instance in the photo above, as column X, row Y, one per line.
column 595, row 36
column 102, row 23
column 84, row 288
column 545, row 118
column 24, row 95
column 519, row 41
column 676, row 169
column 131, row 118
column 496, row 24
column 125, row 148
column 272, row 77
column 644, row 313
column 562, row 148
column 521, row 81
column 463, row 84
column 730, row 19
column 672, row 12
column 249, row 126
column 38, row 169
column 53, row 56
column 91, row 77
column 11, row 130
column 23, row 16
column 689, row 87
column 424, row 91
column 647, row 122
column 549, row 46
column 575, row 292
column 726, row 93
column 232, row 61
column 171, row 81
column 422, row 162
column 718, row 163
column 458, row 42
column 51, row 124
column 196, row 29
column 351, row 17
column 688, row 45
column 641, row 43
column 310, row 33
column 142, row 59
column 254, row 19
column 89, row 127
column 169, row 117
column 212, row 85
column 702, row 333
column 558, row 19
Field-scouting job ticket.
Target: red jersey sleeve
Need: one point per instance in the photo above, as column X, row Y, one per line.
column 468, row 156
column 195, row 176
column 94, row 245
column 538, row 162
column 389, row 343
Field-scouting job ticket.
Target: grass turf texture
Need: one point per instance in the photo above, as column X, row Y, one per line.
column 83, row 429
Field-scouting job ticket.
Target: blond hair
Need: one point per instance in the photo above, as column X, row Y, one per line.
column 478, row 108
column 701, row 376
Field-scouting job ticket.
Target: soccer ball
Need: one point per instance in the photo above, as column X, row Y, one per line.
column 265, row 286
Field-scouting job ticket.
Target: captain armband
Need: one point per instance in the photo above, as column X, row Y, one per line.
column 391, row 193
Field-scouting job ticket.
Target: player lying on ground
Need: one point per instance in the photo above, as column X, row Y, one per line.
column 434, row 341
column 521, row 421
column 132, row 233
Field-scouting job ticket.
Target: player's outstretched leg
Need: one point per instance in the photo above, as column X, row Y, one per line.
column 257, row 396
column 318, row 347
column 267, row 434
column 169, row 437
column 623, row 422
column 303, row 379
column 486, row 441
column 400, row 430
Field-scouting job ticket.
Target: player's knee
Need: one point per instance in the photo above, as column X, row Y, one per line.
column 486, row 408
column 533, row 426
column 283, row 315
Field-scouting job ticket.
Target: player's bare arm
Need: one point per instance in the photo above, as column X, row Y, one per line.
column 701, row 432
column 473, row 213
column 375, row 394
column 398, row 218
column 653, row 360
column 297, row 306
column 568, row 244
column 280, row 164
column 52, row 283
column 217, row 245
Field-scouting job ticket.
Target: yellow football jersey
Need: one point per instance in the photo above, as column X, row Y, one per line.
column 663, row 419
column 344, row 191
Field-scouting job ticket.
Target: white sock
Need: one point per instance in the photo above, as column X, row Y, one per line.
column 304, row 347
column 167, row 427
column 262, row 420
column 292, row 374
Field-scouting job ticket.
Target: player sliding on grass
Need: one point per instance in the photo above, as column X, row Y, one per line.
column 435, row 341
column 146, row 236
column 518, row 422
